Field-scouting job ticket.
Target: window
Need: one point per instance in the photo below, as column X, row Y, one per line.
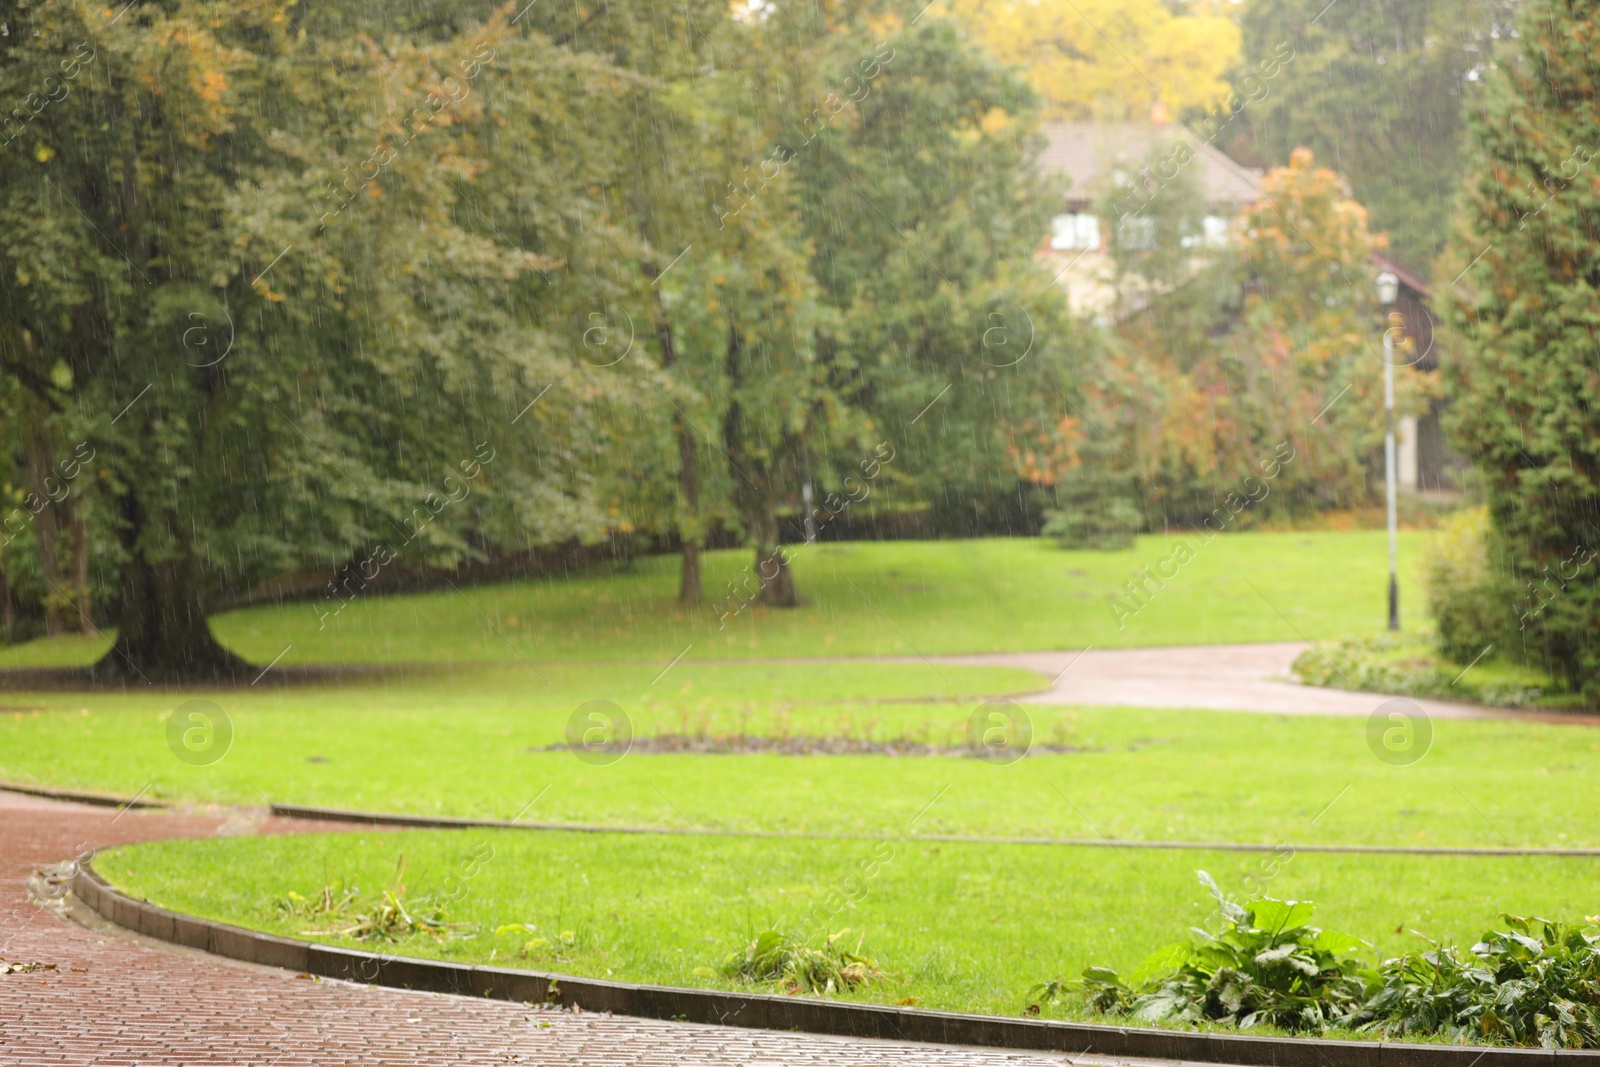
column 1213, row 233
column 1078, row 232
column 1137, row 232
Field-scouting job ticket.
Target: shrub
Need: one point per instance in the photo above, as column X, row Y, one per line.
column 1464, row 595
column 1110, row 525
column 1535, row 983
column 1271, row 966
column 1538, row 982
column 1371, row 665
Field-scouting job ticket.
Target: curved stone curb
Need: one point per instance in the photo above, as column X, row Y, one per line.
column 771, row 1012
column 452, row 822
column 103, row 800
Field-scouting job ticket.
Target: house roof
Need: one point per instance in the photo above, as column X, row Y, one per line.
column 1087, row 151
column 1407, row 278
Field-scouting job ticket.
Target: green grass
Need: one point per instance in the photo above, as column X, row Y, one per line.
column 463, row 722
column 861, row 599
column 471, row 739
column 432, row 746
column 960, row 926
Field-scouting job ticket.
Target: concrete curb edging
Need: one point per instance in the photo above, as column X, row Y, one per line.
column 772, row 1012
column 102, row 800
column 456, row 822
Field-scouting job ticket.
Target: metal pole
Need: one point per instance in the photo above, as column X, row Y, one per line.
column 1389, row 474
column 811, row 519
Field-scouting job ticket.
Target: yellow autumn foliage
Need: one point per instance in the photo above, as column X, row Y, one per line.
column 1107, row 60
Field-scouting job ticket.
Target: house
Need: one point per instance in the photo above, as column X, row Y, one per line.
column 1113, row 168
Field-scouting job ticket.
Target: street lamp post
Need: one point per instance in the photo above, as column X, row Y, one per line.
column 1388, row 292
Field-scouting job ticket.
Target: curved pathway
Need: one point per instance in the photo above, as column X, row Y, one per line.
column 114, row 997
column 1209, row 677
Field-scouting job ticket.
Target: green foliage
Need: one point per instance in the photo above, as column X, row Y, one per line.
column 923, row 211
column 729, row 285
column 1269, row 966
column 1250, row 363
column 314, row 347
column 1467, row 599
column 1522, row 320
column 1379, row 85
column 798, row 967
column 1535, row 983
column 1098, row 504
column 1406, row 665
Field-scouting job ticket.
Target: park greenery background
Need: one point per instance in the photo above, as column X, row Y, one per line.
column 492, row 360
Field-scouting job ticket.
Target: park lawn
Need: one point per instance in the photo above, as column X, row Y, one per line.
column 966, row 927
column 861, row 599
column 431, row 747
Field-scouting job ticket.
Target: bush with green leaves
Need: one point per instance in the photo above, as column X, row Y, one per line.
column 1269, row 966
column 1535, row 983
column 1469, row 603
column 1406, row 665
column 774, row 956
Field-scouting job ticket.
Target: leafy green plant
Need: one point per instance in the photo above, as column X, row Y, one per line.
column 797, row 967
column 1537, row 982
column 1270, row 966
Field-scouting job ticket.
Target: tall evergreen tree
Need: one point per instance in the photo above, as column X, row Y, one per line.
column 1526, row 366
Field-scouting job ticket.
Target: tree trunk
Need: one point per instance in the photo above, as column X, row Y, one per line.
column 772, row 564
column 8, row 608
column 689, row 533
column 79, row 525
column 162, row 630
column 757, row 502
column 777, row 580
column 46, row 532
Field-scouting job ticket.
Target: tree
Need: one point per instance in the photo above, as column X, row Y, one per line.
column 1377, row 88
column 271, row 288
column 1523, row 320
column 923, row 210
column 1266, row 339
column 1109, row 60
column 672, row 110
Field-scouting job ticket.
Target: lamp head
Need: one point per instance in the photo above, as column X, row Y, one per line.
column 1388, row 288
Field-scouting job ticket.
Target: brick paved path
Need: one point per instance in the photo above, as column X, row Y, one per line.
column 119, row 999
